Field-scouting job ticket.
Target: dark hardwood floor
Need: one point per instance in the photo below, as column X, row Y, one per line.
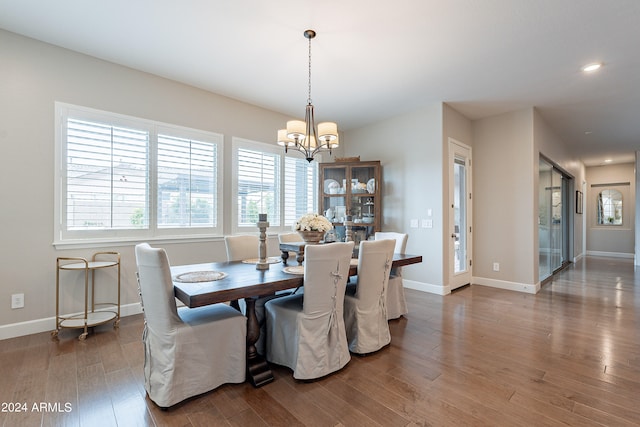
column 569, row 355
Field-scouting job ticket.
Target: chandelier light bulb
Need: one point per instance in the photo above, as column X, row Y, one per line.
column 590, row 68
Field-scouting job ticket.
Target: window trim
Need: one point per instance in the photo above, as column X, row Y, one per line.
column 78, row 239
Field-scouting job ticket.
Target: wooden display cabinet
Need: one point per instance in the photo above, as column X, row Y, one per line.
column 351, row 189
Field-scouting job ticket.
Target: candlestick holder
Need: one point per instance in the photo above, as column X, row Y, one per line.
column 262, row 224
column 348, row 229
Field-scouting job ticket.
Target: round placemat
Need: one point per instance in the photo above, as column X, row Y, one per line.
column 294, row 269
column 270, row 260
column 200, row 276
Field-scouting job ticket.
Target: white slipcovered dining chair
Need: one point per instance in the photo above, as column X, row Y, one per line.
column 396, row 301
column 188, row 351
column 288, row 238
column 365, row 312
column 306, row 332
column 241, row 247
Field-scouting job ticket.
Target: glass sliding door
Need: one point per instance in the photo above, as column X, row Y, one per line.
column 553, row 219
column 544, row 219
column 557, row 220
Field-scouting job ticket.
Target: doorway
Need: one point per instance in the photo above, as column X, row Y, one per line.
column 460, row 214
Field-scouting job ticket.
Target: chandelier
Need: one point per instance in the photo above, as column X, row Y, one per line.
column 303, row 135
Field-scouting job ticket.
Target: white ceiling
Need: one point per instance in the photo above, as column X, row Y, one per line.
column 483, row 57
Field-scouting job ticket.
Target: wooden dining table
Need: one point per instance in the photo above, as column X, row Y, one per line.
column 243, row 281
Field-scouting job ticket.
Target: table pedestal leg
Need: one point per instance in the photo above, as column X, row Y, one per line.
column 258, row 371
column 284, row 256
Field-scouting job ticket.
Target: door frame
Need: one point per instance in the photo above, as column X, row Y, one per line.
column 460, row 150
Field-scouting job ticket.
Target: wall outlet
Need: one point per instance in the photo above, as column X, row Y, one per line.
column 496, row 266
column 17, row 301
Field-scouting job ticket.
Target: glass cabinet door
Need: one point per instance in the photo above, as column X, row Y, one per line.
column 334, row 193
column 363, row 189
column 351, row 191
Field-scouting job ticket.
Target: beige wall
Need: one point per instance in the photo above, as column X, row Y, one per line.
column 506, row 149
column 411, row 153
column 614, row 240
column 506, row 153
column 504, row 217
column 33, row 76
column 413, row 149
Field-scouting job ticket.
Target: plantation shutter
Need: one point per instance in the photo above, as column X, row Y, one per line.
column 187, row 183
column 258, row 186
column 106, row 176
column 300, row 188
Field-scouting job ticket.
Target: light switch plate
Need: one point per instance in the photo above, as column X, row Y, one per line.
column 17, row 301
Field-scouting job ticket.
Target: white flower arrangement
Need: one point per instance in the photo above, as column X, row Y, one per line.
column 312, row 222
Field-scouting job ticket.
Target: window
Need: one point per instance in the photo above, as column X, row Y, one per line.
column 111, row 169
column 187, row 183
column 258, row 175
column 300, row 189
column 268, row 181
column 609, row 207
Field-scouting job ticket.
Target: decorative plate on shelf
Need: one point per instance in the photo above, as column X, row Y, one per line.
column 331, row 184
column 371, row 186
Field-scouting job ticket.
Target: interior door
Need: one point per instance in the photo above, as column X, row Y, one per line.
column 460, row 259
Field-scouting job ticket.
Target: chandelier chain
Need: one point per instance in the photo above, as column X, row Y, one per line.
column 309, row 97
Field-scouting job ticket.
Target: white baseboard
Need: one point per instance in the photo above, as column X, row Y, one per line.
column 577, row 258
column 48, row 324
column 611, row 254
column 503, row 284
column 426, row 287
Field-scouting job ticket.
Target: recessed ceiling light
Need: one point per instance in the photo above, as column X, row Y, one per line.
column 608, row 160
column 590, row 68
column 588, row 132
